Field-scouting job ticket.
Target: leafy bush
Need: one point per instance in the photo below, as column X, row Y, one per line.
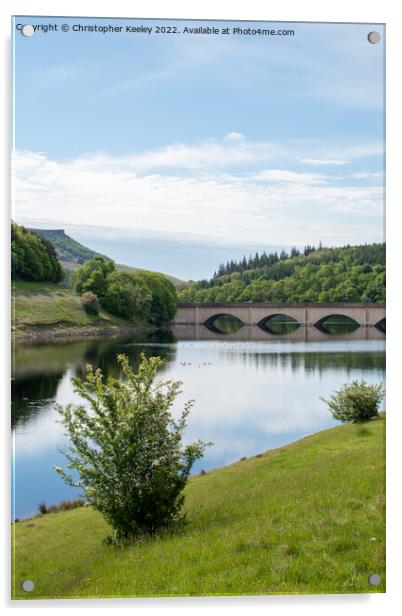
column 127, row 297
column 92, row 276
column 90, row 302
column 355, row 402
column 127, row 447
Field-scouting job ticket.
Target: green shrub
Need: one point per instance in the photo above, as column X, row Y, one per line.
column 90, row 302
column 127, row 449
column 92, row 276
column 127, row 297
column 355, row 402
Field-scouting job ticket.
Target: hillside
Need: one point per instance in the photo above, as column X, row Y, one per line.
column 347, row 274
column 72, row 254
column 306, row 518
column 48, row 310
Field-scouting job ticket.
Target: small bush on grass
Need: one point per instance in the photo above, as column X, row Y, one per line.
column 90, row 302
column 43, row 508
column 355, row 402
column 65, row 505
column 127, row 448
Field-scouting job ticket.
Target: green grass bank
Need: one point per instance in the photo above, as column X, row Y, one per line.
column 47, row 310
column 306, row 518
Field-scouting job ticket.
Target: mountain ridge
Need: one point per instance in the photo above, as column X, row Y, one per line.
column 73, row 254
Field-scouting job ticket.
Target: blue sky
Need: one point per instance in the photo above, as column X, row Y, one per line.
column 179, row 152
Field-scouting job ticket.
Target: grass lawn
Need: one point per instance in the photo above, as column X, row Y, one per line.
column 39, row 306
column 305, row 518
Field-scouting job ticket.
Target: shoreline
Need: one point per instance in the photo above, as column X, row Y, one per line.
column 76, row 333
column 264, row 454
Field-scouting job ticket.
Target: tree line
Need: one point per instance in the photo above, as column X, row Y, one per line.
column 347, row 274
column 261, row 260
column 32, row 257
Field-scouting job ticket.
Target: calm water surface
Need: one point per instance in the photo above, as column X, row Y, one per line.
column 250, row 395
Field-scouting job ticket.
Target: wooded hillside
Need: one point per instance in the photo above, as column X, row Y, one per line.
column 347, row 274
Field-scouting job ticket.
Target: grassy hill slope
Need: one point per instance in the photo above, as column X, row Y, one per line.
column 40, row 309
column 71, row 253
column 305, row 518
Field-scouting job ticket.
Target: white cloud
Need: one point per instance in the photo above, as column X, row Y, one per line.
column 367, row 175
column 323, row 161
column 234, row 137
column 210, row 153
column 189, row 193
column 280, row 175
column 234, row 150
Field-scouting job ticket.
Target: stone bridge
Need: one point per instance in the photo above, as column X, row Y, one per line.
column 306, row 314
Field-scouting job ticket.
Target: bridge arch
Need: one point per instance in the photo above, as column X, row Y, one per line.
column 343, row 319
column 381, row 325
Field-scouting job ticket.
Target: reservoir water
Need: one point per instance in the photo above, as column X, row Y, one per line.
column 251, row 393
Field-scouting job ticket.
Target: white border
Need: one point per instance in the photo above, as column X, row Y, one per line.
column 384, row 11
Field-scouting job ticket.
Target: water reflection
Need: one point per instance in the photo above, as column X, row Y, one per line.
column 38, row 369
column 224, row 324
column 250, row 394
column 253, row 333
column 29, row 393
column 310, row 362
column 279, row 324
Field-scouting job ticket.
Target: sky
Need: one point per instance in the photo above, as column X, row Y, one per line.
column 176, row 152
